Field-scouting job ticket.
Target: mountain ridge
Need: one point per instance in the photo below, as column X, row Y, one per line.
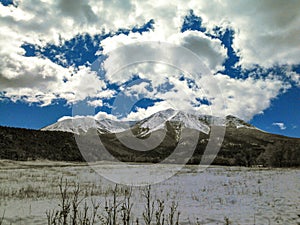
column 151, row 123
column 243, row 144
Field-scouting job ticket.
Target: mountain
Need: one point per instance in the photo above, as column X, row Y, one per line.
column 157, row 121
column 178, row 120
column 243, row 144
column 83, row 124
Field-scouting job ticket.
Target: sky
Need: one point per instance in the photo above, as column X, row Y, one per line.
column 129, row 59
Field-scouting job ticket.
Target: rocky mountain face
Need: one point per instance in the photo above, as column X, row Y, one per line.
column 243, row 144
column 180, row 120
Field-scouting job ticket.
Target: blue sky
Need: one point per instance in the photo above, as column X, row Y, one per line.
column 47, row 69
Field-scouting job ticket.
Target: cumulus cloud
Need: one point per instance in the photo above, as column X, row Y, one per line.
column 39, row 80
column 210, row 50
column 294, row 77
column 280, row 125
column 84, row 83
column 142, row 113
column 266, row 34
column 98, row 116
column 104, row 115
column 35, row 79
column 77, row 10
column 245, row 98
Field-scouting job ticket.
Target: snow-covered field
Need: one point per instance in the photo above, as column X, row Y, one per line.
column 243, row 195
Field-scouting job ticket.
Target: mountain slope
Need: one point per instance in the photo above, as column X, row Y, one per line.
column 178, row 119
column 243, row 145
column 83, row 124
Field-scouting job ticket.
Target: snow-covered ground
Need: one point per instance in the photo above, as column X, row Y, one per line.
column 243, row 195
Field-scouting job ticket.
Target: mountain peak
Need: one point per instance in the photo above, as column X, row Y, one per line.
column 158, row 120
column 236, row 122
column 179, row 119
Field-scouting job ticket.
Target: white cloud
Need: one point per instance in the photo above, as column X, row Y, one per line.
column 210, row 50
column 84, row 83
column 78, row 10
column 34, row 78
column 104, row 115
column 280, row 125
column 142, row 113
column 98, row 116
column 245, row 98
column 266, row 33
column 294, row 77
column 95, row 103
column 71, row 117
column 39, row 80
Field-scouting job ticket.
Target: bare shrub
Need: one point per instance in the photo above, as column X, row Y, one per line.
column 73, row 208
column 2, row 218
column 149, row 206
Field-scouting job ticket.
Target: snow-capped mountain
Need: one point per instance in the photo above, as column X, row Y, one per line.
column 177, row 119
column 237, row 123
column 83, row 124
column 243, row 144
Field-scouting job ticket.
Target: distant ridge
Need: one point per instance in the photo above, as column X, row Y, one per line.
column 150, row 124
column 243, row 145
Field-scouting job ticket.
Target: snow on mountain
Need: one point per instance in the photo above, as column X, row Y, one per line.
column 177, row 119
column 237, row 123
column 157, row 120
column 228, row 121
column 190, row 121
column 112, row 126
column 83, row 124
column 73, row 125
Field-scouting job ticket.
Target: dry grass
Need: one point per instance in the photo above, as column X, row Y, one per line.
column 2, row 218
column 73, row 209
